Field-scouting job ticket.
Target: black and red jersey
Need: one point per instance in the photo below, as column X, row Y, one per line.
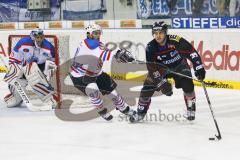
column 175, row 50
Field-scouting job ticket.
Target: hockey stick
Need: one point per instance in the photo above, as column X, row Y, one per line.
column 169, row 70
column 219, row 137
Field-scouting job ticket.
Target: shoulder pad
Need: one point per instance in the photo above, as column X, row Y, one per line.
column 174, row 38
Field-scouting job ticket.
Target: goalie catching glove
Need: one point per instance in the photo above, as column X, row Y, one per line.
column 124, row 56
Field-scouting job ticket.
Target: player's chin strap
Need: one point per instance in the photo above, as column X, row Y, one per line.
column 219, row 137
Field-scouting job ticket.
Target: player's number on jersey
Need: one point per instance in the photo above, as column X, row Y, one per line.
column 194, row 55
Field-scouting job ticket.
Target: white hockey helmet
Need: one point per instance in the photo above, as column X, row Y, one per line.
column 93, row 27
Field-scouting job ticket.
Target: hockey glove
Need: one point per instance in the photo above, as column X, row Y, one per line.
column 165, row 87
column 200, row 72
column 124, row 56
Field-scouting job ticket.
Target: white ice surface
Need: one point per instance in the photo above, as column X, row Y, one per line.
column 28, row 135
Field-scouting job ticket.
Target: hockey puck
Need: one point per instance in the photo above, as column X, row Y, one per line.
column 211, row 138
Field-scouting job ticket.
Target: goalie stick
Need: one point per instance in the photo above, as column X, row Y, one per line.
column 23, row 94
column 218, row 136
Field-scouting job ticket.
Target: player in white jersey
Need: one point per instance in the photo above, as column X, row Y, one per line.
column 30, row 62
column 87, row 74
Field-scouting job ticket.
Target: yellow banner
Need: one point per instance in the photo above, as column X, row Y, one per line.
column 77, row 24
column 7, row 25
column 31, row 25
column 103, row 23
column 128, row 24
column 55, row 24
column 209, row 82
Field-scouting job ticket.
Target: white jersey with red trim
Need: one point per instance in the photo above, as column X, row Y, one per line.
column 90, row 48
column 25, row 52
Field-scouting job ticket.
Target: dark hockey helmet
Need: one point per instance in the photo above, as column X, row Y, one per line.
column 159, row 26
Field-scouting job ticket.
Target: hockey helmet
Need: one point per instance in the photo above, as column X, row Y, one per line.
column 34, row 33
column 159, row 26
column 93, row 27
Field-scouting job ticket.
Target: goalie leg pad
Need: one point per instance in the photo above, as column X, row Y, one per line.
column 14, row 72
column 38, row 82
column 44, row 92
column 14, row 99
column 34, row 75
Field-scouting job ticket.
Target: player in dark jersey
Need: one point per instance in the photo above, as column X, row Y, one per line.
column 169, row 52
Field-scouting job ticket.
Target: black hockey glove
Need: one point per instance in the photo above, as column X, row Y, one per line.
column 165, row 87
column 124, row 56
column 200, row 73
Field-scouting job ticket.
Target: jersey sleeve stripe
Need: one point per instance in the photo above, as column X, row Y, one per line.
column 101, row 54
column 109, row 55
column 77, row 70
column 105, row 55
column 73, row 69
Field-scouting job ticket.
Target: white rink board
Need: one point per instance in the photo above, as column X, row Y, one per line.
column 219, row 48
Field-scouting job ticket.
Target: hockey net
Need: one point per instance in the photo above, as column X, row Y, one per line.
column 62, row 88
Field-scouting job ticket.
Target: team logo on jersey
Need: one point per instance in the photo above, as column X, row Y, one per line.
column 173, row 53
column 25, row 50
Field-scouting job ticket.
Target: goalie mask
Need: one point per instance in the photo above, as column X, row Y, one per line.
column 37, row 36
column 94, row 31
